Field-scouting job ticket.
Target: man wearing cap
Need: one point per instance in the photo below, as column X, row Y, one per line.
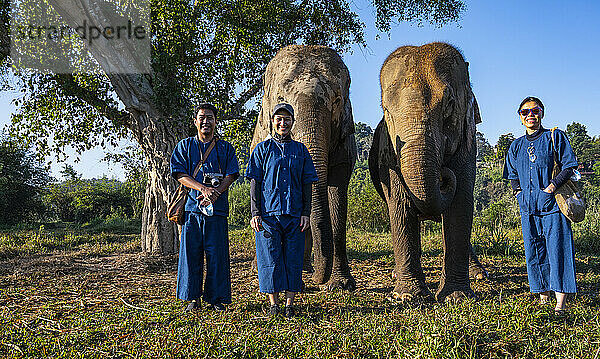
column 205, row 229
column 281, row 174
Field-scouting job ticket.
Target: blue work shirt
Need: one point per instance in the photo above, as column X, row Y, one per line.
column 531, row 162
column 222, row 159
column 281, row 168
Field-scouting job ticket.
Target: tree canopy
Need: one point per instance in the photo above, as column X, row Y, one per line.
column 22, row 180
column 203, row 51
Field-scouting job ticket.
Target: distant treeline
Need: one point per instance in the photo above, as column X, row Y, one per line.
column 29, row 194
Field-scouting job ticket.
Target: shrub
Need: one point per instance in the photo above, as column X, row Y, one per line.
column 239, row 204
column 81, row 200
column 366, row 210
column 22, row 181
column 497, row 229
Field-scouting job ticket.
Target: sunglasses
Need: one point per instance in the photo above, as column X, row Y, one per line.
column 535, row 111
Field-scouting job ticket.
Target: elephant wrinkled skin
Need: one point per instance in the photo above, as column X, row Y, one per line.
column 422, row 163
column 316, row 82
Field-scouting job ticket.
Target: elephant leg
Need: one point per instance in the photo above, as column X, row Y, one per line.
column 457, row 222
column 406, row 240
column 476, row 269
column 338, row 207
column 307, row 263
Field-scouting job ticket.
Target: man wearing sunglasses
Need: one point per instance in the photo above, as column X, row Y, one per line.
column 547, row 235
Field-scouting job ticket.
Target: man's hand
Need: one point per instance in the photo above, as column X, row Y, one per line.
column 304, row 223
column 516, row 194
column 550, row 189
column 255, row 223
column 208, row 194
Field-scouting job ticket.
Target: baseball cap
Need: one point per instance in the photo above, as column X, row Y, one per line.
column 283, row 106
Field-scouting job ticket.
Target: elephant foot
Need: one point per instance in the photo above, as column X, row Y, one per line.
column 412, row 294
column 308, row 268
column 451, row 294
column 477, row 271
column 319, row 277
column 343, row 282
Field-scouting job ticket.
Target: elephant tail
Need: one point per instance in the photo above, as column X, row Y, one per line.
column 374, row 157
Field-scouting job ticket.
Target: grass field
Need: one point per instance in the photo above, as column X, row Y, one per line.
column 72, row 293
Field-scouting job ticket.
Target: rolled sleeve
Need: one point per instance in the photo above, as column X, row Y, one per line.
column 232, row 165
column 179, row 161
column 254, row 169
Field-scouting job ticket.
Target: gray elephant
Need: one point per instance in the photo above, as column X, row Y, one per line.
column 316, row 82
column 422, row 163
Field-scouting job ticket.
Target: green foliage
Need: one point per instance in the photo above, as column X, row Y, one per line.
column 363, row 134
column 207, row 50
column 485, row 151
column 22, row 181
column 496, row 230
column 502, row 146
column 489, row 186
column 239, row 204
column 366, row 209
column 82, row 200
column 432, row 11
column 580, row 141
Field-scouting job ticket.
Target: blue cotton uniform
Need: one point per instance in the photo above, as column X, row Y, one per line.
column 204, row 235
column 280, row 169
column 547, row 235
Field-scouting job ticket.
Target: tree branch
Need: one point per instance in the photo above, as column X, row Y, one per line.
column 72, row 88
column 246, row 96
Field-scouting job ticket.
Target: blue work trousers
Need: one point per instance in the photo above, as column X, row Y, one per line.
column 549, row 253
column 279, row 254
column 203, row 235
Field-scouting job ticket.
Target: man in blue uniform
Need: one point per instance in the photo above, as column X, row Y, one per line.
column 205, row 229
column 547, row 234
column 281, row 174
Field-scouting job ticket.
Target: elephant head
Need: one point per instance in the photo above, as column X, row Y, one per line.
column 430, row 113
column 316, row 82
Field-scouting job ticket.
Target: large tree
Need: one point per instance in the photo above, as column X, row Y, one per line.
column 206, row 50
column 502, row 147
column 584, row 146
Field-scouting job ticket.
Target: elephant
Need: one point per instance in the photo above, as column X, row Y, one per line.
column 316, row 82
column 422, row 163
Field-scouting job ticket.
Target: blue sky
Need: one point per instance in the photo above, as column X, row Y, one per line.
column 549, row 49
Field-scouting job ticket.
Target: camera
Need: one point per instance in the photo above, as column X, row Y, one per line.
column 212, row 179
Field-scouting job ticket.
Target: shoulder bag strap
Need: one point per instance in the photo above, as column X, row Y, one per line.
column 203, row 156
column 555, row 154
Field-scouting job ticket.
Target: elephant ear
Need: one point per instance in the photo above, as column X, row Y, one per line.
column 375, row 156
column 472, row 119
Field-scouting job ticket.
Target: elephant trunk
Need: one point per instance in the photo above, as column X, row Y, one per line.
column 313, row 129
column 432, row 186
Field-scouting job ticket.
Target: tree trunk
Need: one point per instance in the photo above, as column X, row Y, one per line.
column 158, row 140
column 156, row 133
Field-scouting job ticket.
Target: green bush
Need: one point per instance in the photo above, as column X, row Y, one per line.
column 22, row 181
column 82, row 200
column 239, row 204
column 366, row 210
column 496, row 230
